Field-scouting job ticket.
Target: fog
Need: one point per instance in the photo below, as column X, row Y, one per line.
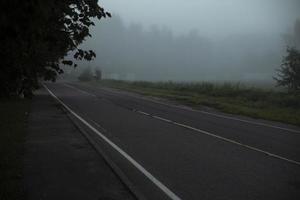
column 193, row 40
column 213, row 18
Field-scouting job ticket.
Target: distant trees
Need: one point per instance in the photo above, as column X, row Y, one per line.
column 86, row 75
column 148, row 53
column 35, row 37
column 288, row 74
column 137, row 52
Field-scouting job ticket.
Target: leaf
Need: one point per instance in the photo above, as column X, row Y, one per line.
column 108, row 14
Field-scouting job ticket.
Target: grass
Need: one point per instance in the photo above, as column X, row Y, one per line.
column 13, row 118
column 233, row 98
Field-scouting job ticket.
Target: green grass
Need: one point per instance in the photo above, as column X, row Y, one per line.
column 232, row 98
column 13, row 120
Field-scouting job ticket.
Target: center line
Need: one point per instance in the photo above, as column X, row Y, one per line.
column 217, row 136
column 222, row 138
column 82, row 91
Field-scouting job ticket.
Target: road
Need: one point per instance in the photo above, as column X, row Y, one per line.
column 166, row 151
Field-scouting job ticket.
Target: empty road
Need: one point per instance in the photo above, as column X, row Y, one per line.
column 165, row 151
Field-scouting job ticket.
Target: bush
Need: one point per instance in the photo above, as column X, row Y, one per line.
column 288, row 75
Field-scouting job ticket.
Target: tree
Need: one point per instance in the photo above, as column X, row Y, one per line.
column 35, row 37
column 288, row 75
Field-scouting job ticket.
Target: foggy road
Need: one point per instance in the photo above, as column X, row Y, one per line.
column 172, row 152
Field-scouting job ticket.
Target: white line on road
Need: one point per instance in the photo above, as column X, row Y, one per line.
column 82, row 91
column 98, row 125
column 209, row 113
column 160, row 118
column 248, row 121
column 221, row 138
column 141, row 112
column 159, row 184
column 214, row 135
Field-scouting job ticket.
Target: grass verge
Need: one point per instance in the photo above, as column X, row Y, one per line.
column 226, row 97
column 13, row 123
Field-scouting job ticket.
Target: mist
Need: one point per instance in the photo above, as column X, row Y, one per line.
column 192, row 40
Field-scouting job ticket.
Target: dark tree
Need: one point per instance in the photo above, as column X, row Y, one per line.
column 36, row 35
column 288, row 74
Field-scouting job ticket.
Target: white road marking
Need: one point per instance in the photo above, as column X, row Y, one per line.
column 82, row 91
column 227, row 117
column 247, row 121
column 159, row 184
column 141, row 112
column 163, row 119
column 217, row 136
column 213, row 114
column 224, row 139
column 98, row 125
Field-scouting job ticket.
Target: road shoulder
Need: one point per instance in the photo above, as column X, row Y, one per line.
column 59, row 163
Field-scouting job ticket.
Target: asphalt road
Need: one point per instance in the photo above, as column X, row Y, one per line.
column 168, row 151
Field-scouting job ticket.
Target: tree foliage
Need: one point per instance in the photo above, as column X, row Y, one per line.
column 288, row 75
column 35, row 37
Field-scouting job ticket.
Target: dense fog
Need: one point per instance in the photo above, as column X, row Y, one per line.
column 193, row 40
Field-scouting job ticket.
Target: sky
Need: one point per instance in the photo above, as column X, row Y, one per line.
column 212, row 18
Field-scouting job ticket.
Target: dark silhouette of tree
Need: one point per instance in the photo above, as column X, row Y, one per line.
column 35, row 37
column 289, row 73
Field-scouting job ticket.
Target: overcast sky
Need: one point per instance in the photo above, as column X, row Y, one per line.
column 211, row 17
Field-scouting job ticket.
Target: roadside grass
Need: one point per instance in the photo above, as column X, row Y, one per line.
column 13, row 123
column 233, row 98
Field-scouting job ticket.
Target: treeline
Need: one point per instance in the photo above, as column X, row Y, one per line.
column 35, row 37
column 132, row 52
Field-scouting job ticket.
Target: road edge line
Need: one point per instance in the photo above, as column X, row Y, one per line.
column 116, row 170
column 224, row 116
column 148, row 175
column 212, row 134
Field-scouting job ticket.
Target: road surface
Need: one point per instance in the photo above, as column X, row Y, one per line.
column 166, row 151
